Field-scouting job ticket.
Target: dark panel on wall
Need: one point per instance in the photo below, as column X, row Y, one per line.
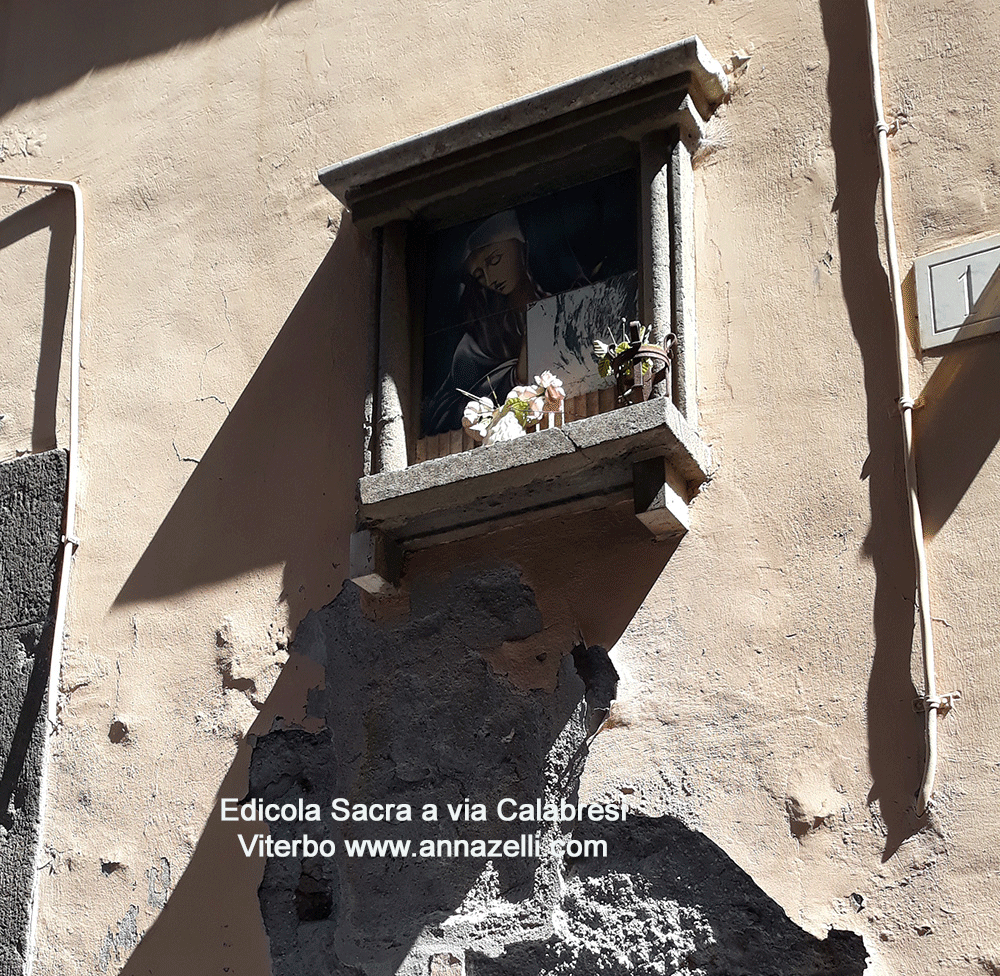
column 32, row 495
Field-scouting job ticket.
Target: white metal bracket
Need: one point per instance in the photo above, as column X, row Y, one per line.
column 943, row 703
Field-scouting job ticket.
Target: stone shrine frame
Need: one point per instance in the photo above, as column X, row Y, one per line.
column 644, row 116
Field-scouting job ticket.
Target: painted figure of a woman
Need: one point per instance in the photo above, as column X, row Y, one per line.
column 491, row 356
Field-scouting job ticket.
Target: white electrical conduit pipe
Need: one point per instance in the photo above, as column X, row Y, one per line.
column 69, row 540
column 930, row 702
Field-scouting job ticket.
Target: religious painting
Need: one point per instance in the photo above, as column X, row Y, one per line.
column 527, row 290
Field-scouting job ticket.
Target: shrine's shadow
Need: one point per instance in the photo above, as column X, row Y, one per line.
column 276, row 485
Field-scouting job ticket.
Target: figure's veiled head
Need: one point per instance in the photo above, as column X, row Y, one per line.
column 495, row 254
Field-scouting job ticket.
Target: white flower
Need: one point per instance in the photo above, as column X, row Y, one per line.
column 550, row 387
column 478, row 416
column 524, row 406
column 478, row 408
column 506, row 428
column 531, row 396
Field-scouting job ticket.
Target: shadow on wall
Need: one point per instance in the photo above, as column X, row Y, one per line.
column 45, row 47
column 277, row 483
column 895, row 732
column 665, row 899
column 957, row 428
column 56, row 213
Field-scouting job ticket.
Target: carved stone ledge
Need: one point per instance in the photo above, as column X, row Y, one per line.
column 646, row 452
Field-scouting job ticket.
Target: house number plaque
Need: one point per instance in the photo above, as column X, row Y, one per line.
column 958, row 292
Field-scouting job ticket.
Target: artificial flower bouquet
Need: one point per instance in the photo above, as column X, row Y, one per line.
column 525, row 406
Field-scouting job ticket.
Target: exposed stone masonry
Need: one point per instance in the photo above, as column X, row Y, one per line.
column 414, row 714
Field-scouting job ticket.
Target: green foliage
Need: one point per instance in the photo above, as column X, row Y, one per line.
column 520, row 409
column 606, row 352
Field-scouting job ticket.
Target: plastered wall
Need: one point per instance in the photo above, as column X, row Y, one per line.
column 766, row 665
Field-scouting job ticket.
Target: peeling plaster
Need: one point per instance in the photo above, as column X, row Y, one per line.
column 117, row 943
column 416, row 716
